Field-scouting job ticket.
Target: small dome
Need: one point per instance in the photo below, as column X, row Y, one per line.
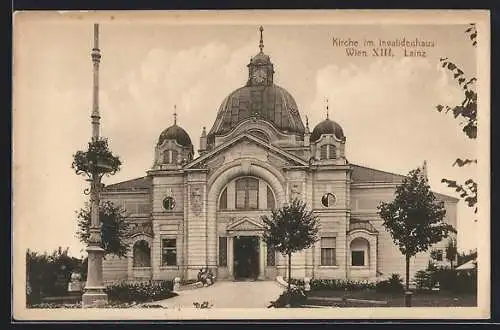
column 260, row 58
column 176, row 133
column 327, row 126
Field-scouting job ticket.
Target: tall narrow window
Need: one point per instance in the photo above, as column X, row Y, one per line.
column 166, row 156
column 247, row 193
column 328, row 251
column 169, row 252
column 271, row 255
column 174, row 154
column 332, row 152
column 223, row 200
column 270, row 199
column 223, row 251
column 323, row 152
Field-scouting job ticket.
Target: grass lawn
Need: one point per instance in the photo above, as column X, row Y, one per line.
column 419, row 299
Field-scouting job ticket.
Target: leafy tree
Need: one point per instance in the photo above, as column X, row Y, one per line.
column 451, row 251
column 114, row 228
column 436, row 255
column 43, row 271
column 414, row 218
column 466, row 111
column 290, row 229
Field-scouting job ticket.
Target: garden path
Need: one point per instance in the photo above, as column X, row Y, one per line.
column 227, row 294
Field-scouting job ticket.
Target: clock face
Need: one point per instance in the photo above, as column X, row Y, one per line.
column 259, row 76
column 168, row 203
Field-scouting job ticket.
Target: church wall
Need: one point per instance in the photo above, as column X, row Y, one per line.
column 114, row 269
column 167, row 224
column 135, row 203
column 138, row 206
column 333, row 221
column 364, row 201
column 199, row 243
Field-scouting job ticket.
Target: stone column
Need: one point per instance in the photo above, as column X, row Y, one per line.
column 230, row 256
column 262, row 259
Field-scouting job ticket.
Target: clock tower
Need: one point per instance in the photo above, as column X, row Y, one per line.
column 260, row 68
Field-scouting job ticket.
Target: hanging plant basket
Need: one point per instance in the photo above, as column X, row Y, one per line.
column 98, row 159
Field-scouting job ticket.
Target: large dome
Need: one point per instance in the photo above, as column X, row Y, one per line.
column 176, row 133
column 327, row 126
column 269, row 102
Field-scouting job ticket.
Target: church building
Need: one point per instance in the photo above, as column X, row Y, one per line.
column 196, row 210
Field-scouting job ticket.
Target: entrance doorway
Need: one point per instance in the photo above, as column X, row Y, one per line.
column 246, row 257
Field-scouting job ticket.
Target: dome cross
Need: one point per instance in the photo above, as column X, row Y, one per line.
column 327, row 114
column 175, row 114
column 261, row 43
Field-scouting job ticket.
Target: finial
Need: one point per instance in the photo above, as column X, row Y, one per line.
column 175, row 114
column 96, row 35
column 307, row 122
column 261, row 43
column 327, row 114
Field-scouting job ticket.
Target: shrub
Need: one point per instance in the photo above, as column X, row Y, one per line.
column 49, row 274
column 341, row 285
column 394, row 284
column 451, row 280
column 140, row 291
column 466, row 282
column 296, row 297
column 424, row 280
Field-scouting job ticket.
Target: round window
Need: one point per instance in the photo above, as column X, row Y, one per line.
column 168, row 203
column 328, row 200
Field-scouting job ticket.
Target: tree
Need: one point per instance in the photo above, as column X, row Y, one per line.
column 414, row 218
column 451, row 251
column 43, row 271
column 290, row 229
column 114, row 228
column 467, row 112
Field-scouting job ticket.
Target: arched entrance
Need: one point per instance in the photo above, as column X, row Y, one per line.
column 236, row 210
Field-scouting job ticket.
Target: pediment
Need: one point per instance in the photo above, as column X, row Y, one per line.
column 245, row 224
column 244, row 146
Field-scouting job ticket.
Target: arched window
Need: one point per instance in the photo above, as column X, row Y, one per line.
column 247, row 193
column 328, row 151
column 142, row 254
column 271, row 203
column 223, row 200
column 360, row 251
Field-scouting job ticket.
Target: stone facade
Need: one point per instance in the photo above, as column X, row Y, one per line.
column 192, row 212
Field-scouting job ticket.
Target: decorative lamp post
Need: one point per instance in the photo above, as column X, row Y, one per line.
column 96, row 162
column 94, row 288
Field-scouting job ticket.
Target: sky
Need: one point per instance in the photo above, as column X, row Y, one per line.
column 386, row 106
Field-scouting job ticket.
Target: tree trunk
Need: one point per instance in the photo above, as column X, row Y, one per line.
column 407, row 272
column 289, row 271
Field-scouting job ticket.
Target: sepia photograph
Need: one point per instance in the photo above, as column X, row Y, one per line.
column 178, row 165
